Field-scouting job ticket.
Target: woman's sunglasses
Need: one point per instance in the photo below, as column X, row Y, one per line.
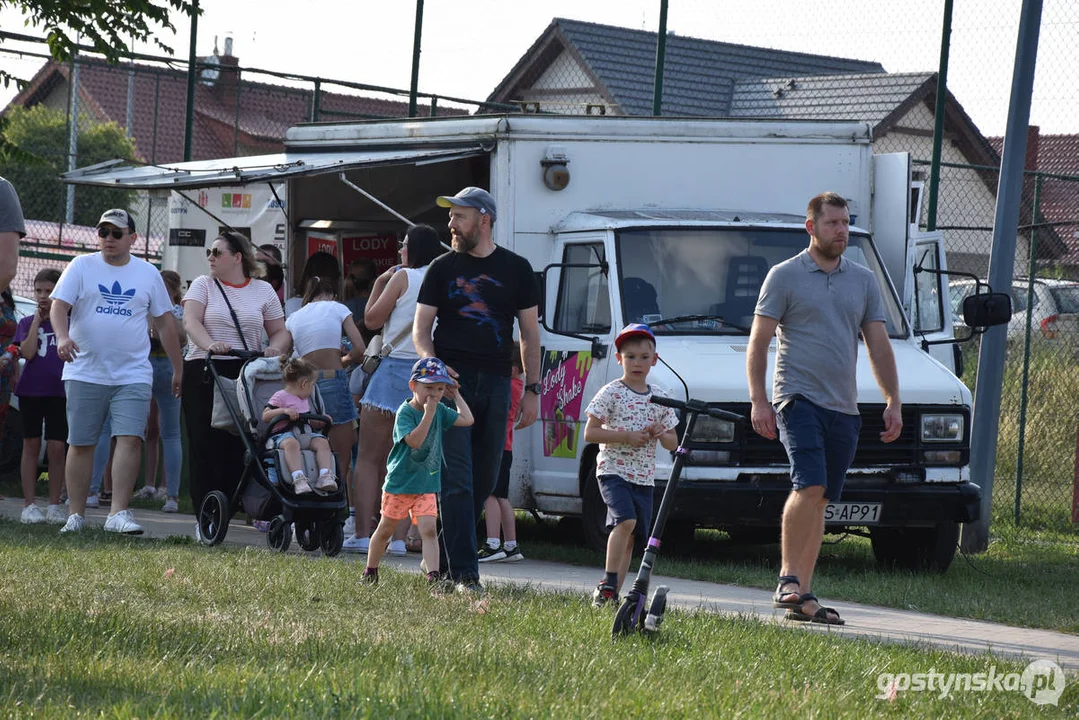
column 216, row 252
column 105, row 232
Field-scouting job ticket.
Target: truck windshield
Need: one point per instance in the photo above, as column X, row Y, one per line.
column 705, row 281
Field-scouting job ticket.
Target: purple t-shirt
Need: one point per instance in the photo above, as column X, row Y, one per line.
column 41, row 376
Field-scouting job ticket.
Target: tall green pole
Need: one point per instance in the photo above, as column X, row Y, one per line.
column 189, row 120
column 417, row 37
column 938, row 115
column 661, row 52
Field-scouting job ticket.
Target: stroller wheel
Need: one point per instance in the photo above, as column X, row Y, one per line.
column 307, row 536
column 214, row 516
column 333, row 536
column 279, row 536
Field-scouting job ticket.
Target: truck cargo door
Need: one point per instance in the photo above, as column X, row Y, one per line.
column 577, row 303
column 890, row 221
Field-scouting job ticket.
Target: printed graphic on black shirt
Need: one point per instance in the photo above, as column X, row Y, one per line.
column 476, row 308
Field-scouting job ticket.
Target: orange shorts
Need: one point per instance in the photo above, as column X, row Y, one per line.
column 398, row 507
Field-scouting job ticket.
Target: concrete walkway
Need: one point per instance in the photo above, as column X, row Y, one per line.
column 868, row 621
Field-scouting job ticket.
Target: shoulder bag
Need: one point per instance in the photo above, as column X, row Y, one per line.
column 225, row 388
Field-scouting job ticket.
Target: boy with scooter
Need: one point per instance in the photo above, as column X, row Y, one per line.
column 626, row 424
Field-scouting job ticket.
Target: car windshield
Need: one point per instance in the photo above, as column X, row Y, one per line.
column 707, row 279
column 1067, row 298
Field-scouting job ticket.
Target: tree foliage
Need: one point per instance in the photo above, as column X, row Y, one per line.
column 107, row 27
column 42, row 132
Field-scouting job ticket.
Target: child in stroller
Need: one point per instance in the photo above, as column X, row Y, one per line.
column 289, row 435
column 318, row 518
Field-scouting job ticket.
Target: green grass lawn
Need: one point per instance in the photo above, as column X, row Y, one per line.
column 98, row 625
column 1017, row 582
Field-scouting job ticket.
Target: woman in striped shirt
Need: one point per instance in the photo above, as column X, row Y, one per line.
column 215, row 457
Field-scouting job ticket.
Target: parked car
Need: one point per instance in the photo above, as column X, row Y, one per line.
column 1054, row 308
column 11, row 444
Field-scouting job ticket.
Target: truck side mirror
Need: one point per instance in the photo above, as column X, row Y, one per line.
column 987, row 309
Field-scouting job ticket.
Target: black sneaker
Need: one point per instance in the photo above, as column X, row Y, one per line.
column 490, row 554
column 513, row 555
column 604, row 594
column 370, row 575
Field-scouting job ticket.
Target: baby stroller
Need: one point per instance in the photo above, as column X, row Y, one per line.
column 319, row 519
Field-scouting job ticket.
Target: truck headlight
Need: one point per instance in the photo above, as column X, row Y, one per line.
column 708, row 429
column 942, row 428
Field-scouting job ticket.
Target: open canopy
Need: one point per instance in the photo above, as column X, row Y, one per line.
column 255, row 168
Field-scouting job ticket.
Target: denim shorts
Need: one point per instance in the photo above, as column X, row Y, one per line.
column 88, row 404
column 820, row 444
column 336, row 399
column 627, row 501
column 304, row 438
column 388, row 387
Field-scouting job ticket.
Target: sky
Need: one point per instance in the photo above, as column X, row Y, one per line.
column 470, row 45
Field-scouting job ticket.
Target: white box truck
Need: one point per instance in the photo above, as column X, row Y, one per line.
column 671, row 222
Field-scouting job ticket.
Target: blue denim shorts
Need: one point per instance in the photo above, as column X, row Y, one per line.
column 88, row 404
column 627, row 501
column 820, row 444
column 336, row 399
column 388, row 387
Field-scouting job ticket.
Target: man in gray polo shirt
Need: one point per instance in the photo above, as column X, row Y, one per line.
column 815, row 304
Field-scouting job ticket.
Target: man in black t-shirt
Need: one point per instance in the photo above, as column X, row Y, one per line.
column 476, row 291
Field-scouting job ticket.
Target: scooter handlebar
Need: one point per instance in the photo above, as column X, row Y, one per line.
column 697, row 406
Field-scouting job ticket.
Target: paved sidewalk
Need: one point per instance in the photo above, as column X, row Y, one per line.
column 867, row 621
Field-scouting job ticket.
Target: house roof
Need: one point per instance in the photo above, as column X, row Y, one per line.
column 699, row 75
column 228, row 120
column 1058, row 202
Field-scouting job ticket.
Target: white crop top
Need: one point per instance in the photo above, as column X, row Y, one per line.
column 402, row 315
column 317, row 326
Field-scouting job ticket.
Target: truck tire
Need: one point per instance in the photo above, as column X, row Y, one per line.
column 917, row 548
column 593, row 513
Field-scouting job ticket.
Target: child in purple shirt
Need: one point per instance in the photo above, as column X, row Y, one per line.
column 42, row 402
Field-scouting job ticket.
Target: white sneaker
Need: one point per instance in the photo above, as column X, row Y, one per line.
column 350, row 526
column 145, row 493
column 123, row 522
column 93, row 501
column 74, row 524
column 356, row 545
column 198, row 533
column 56, row 515
column 171, row 505
column 397, row 548
column 161, row 494
column 32, row 515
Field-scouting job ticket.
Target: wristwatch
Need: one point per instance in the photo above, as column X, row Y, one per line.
column 534, row 388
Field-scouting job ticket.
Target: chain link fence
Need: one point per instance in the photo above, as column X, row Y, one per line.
column 1038, row 441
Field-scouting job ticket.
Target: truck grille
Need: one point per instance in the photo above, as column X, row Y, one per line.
column 756, row 451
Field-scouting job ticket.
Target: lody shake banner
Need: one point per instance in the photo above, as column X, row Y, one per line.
column 563, row 376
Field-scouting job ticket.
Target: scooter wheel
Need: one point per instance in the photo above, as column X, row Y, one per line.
column 629, row 615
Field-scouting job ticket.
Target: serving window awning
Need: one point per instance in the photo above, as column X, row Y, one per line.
column 254, row 168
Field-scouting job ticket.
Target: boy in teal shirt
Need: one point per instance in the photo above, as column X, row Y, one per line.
column 414, row 467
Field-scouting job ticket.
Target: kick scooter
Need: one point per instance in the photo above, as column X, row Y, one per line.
column 631, row 616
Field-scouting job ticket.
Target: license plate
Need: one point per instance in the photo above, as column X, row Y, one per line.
column 852, row 513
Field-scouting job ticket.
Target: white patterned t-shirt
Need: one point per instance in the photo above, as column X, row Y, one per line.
column 619, row 407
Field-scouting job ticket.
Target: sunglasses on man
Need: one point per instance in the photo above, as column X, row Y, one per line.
column 105, row 232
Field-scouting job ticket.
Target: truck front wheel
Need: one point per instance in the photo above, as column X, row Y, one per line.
column 916, row 548
column 593, row 513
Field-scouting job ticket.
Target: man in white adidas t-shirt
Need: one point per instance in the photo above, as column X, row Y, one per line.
column 110, row 295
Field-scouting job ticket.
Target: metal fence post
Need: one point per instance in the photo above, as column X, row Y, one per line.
column 661, row 52
column 1024, row 385
column 938, row 116
column 192, row 61
column 986, row 423
column 416, row 39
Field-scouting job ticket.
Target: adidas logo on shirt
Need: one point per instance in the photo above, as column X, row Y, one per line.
column 115, row 299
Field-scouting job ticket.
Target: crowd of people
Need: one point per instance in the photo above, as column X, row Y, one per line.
column 115, row 351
